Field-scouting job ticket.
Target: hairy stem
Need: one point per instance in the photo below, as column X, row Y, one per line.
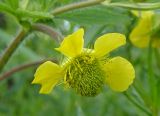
column 11, row 48
column 48, row 30
column 19, row 38
column 22, row 67
column 76, row 6
column 135, row 6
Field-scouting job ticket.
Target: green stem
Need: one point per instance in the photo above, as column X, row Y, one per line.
column 135, row 6
column 22, row 67
column 42, row 15
column 152, row 81
column 76, row 6
column 48, row 30
column 15, row 43
column 137, row 104
column 11, row 48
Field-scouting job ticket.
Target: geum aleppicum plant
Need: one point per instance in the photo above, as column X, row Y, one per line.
column 87, row 70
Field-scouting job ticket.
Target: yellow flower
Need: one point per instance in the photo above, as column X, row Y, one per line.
column 87, row 70
column 142, row 32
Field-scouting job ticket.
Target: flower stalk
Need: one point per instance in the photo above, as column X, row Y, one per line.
column 76, row 6
column 11, row 48
column 48, row 30
column 134, row 6
column 22, row 67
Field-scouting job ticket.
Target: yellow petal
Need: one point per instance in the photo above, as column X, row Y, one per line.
column 48, row 75
column 120, row 74
column 140, row 41
column 72, row 45
column 108, row 42
column 140, row 35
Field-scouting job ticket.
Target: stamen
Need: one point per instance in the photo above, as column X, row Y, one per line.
column 85, row 75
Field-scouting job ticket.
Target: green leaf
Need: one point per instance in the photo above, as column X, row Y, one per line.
column 92, row 32
column 33, row 14
column 41, row 5
column 97, row 15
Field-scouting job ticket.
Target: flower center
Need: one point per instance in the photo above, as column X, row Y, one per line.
column 85, row 75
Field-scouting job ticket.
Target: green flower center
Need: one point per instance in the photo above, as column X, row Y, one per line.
column 85, row 75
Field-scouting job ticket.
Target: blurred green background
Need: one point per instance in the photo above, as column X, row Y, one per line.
column 19, row 98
